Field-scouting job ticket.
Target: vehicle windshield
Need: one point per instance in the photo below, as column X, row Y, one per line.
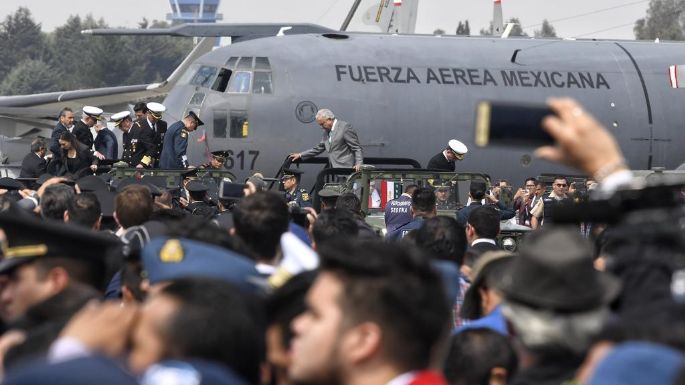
column 451, row 189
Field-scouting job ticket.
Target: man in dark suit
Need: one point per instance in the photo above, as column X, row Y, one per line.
column 106, row 143
column 81, row 130
column 340, row 141
column 138, row 146
column 478, row 195
column 481, row 230
column 34, row 164
column 446, row 159
column 65, row 123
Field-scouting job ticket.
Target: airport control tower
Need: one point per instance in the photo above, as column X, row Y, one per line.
column 194, row 11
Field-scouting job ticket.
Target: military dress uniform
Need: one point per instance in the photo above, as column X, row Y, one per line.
column 200, row 207
column 159, row 128
column 219, row 156
column 175, row 146
column 446, row 205
column 440, row 161
column 298, row 197
column 138, row 146
column 81, row 131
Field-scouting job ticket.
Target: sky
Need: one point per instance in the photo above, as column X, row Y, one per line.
column 606, row 19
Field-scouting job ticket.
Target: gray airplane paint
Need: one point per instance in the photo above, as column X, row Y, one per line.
column 407, row 95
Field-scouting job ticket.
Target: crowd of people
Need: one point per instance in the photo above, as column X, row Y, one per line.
column 147, row 142
column 130, row 283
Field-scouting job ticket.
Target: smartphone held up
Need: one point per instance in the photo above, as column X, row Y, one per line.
column 511, row 124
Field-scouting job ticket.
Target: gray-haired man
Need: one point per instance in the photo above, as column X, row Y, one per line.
column 340, row 141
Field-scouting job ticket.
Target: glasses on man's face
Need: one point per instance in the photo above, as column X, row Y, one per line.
column 560, row 184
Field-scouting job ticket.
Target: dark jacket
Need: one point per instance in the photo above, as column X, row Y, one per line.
column 32, row 166
column 54, row 139
column 403, row 230
column 139, row 145
column 398, row 212
column 556, row 369
column 83, row 134
column 43, row 322
column 159, row 131
column 439, row 162
column 78, row 166
column 106, row 144
column 473, row 252
column 175, row 147
column 463, row 213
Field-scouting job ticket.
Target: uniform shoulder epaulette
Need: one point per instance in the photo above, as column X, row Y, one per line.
column 184, row 133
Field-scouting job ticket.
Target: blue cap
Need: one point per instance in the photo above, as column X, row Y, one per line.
column 639, row 363
column 166, row 259
column 80, row 371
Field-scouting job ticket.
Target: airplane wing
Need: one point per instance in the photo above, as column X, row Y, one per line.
column 123, row 95
column 237, row 31
column 104, row 97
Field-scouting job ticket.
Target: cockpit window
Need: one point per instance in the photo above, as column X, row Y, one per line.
column 189, row 74
column 231, row 61
column 221, row 81
column 262, row 82
column 204, row 76
column 245, row 62
column 262, row 63
column 197, row 99
column 220, row 123
column 240, row 82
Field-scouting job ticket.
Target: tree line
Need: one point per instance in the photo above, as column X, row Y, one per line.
column 664, row 20
column 33, row 61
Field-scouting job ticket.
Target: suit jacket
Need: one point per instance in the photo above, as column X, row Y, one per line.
column 54, row 140
column 343, row 148
column 504, row 211
column 106, row 144
column 439, row 162
column 473, row 252
column 159, row 132
column 83, row 134
column 32, row 166
column 138, row 145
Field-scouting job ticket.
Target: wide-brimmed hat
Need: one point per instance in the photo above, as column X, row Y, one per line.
column 500, row 259
column 554, row 271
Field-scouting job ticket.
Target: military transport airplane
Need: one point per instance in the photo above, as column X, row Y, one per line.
column 407, row 95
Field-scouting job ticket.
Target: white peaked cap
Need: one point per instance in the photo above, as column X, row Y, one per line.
column 120, row 115
column 156, row 107
column 458, row 147
column 92, row 111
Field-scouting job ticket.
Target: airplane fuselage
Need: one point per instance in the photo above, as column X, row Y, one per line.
column 407, row 95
